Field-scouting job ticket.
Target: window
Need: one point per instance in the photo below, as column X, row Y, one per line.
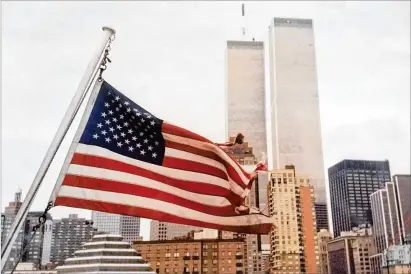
column 205, row 261
column 214, row 254
column 205, row 269
column 205, row 246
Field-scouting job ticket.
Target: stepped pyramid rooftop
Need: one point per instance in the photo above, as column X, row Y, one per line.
column 106, row 254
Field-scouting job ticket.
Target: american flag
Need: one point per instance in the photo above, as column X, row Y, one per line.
column 125, row 160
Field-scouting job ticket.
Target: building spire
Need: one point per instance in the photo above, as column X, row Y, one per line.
column 243, row 16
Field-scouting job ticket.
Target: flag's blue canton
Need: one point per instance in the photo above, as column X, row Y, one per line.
column 120, row 125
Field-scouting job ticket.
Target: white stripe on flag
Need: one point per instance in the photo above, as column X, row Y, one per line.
column 152, row 204
column 169, row 172
column 112, row 175
column 208, row 147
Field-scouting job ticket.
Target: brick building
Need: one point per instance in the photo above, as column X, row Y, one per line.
column 223, row 256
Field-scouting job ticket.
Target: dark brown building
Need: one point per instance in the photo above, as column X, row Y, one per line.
column 223, row 256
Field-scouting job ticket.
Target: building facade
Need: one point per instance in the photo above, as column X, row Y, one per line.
column 245, row 93
column 69, row 234
column 397, row 259
column 350, row 252
column 36, row 251
column 194, row 256
column 126, row 226
column 351, row 184
column 324, row 236
column 162, row 231
column 294, row 245
column 295, row 111
column 402, row 188
column 387, row 205
column 322, row 216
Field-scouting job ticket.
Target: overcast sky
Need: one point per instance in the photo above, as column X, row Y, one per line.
column 169, row 57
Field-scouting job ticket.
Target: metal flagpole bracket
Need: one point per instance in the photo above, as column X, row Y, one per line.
column 105, row 60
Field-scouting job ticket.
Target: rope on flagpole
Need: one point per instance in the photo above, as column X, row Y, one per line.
column 105, row 60
column 42, row 221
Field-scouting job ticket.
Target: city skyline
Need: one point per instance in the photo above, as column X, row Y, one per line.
column 340, row 127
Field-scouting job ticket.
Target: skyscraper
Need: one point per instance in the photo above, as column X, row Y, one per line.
column 36, row 252
column 351, row 184
column 294, row 245
column 384, row 219
column 295, row 112
column 245, row 92
column 69, row 234
column 402, row 186
column 322, row 216
column 387, row 205
column 126, row 226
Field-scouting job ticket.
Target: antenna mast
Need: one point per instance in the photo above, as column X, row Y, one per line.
column 243, row 16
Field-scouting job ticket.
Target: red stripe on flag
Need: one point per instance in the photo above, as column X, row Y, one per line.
column 211, row 155
column 193, row 186
column 188, row 165
column 137, row 190
column 157, row 215
column 178, row 131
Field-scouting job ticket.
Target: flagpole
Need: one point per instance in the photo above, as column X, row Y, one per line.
column 82, row 89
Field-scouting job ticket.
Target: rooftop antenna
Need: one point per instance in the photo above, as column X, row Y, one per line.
column 243, row 15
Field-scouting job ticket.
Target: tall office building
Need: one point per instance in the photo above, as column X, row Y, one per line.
column 36, row 250
column 294, row 245
column 386, row 207
column 161, row 231
column 69, row 234
column 126, row 226
column 245, row 92
column 295, row 111
column 402, row 187
column 322, row 216
column 351, row 184
column 384, row 218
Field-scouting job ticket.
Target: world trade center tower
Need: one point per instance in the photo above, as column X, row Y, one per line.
column 295, row 111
